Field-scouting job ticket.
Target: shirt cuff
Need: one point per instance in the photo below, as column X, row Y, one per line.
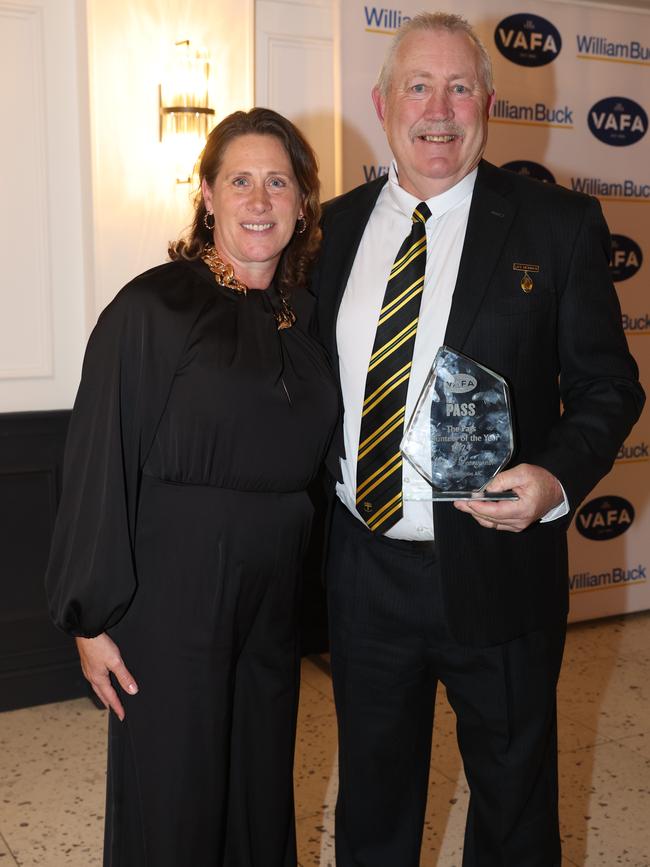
column 557, row 511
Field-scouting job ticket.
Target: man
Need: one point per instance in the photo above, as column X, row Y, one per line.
column 472, row 594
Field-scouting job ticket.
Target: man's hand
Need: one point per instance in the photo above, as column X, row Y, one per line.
column 538, row 491
column 99, row 657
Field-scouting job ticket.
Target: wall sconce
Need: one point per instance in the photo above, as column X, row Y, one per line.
column 185, row 112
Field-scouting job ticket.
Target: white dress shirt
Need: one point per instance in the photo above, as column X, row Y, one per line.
column 388, row 226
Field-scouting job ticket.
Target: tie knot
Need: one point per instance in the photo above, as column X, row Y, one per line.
column 421, row 213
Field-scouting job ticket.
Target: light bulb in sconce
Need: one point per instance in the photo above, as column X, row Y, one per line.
column 185, row 114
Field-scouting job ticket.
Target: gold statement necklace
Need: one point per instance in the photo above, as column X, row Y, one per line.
column 224, row 274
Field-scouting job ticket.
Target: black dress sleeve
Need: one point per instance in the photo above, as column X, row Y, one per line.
column 127, row 373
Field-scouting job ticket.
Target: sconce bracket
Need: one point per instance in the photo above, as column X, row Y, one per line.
column 177, row 109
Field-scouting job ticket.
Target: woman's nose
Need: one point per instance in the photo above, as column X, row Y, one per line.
column 259, row 200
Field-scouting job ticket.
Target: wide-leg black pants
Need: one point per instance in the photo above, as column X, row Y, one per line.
column 200, row 772
column 389, row 648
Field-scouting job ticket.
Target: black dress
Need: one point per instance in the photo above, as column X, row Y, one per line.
column 184, row 517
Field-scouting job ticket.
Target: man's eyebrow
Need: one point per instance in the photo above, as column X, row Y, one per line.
column 413, row 73
column 454, row 76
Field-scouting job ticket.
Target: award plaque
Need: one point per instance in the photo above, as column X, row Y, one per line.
column 460, row 434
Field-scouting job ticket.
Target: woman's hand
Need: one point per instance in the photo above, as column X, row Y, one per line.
column 99, row 657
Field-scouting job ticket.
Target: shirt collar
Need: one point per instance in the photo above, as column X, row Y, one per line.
column 438, row 205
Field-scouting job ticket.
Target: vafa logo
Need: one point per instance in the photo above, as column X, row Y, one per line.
column 605, row 518
column 530, row 169
column 626, row 258
column 618, row 121
column 458, row 383
column 528, row 40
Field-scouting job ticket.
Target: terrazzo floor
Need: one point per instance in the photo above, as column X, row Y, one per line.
column 52, row 766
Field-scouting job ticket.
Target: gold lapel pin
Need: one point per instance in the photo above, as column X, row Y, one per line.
column 526, row 281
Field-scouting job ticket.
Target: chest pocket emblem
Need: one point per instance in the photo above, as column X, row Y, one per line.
column 527, row 283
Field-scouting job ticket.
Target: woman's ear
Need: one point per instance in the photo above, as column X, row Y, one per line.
column 207, row 196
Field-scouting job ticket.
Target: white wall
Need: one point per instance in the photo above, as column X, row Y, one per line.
column 137, row 204
column 89, row 197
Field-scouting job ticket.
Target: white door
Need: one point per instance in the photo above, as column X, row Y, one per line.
column 44, row 195
column 295, row 74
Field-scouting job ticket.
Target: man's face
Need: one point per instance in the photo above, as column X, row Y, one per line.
column 436, row 110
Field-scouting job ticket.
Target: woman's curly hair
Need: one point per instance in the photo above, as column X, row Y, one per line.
column 300, row 252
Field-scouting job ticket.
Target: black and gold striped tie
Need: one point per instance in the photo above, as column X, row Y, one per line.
column 379, row 460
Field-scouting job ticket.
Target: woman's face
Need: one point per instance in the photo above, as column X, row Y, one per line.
column 256, row 201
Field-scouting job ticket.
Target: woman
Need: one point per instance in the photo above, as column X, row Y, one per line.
column 204, row 409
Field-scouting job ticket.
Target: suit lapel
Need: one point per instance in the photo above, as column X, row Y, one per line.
column 490, row 218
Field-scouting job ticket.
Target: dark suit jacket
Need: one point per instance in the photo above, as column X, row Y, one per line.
column 562, row 342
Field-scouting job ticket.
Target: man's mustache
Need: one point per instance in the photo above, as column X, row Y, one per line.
column 443, row 127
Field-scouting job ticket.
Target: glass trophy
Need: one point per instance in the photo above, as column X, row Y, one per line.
column 460, row 434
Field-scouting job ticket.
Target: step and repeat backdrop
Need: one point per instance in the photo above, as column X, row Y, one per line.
column 573, row 97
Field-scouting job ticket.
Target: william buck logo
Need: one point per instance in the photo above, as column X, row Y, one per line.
column 583, row 582
column 530, row 169
column 626, row 258
column 601, row 48
column 618, row 121
column 605, row 518
column 528, row 40
column 382, row 20
column 633, row 453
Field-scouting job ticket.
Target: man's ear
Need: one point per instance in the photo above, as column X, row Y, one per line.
column 379, row 102
column 490, row 102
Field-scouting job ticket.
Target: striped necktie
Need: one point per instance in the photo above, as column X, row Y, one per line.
column 379, row 460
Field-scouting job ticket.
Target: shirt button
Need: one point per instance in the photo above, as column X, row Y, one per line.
column 422, row 529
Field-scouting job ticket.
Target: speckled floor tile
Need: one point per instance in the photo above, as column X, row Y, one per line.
column 52, row 780
column 573, row 735
column 591, row 640
column 316, row 766
column 632, row 634
column 604, row 806
column 610, row 696
column 639, row 744
column 316, row 840
column 313, row 703
column 315, row 672
column 6, row 858
column 445, row 756
column 622, row 636
column 444, row 824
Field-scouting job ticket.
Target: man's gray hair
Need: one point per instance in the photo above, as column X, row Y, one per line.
column 436, row 21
